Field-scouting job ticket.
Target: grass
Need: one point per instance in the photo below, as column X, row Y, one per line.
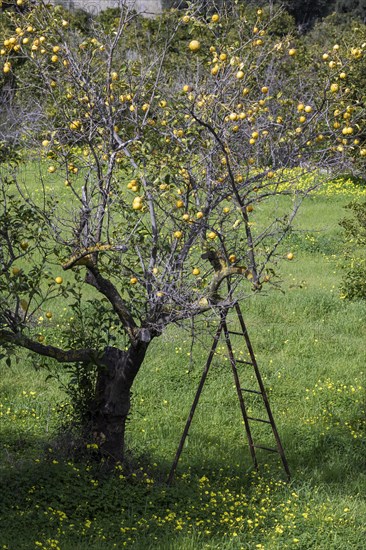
column 310, row 346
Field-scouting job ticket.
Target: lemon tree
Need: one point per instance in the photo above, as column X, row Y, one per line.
column 166, row 168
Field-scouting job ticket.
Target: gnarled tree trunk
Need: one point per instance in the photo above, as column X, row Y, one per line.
column 112, row 398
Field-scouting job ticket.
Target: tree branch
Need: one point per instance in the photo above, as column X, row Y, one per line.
column 95, row 279
column 205, row 303
column 223, row 274
column 83, row 257
column 251, row 254
column 62, row 356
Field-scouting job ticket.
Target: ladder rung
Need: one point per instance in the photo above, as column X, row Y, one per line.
column 266, row 448
column 235, row 333
column 251, row 391
column 244, row 362
column 259, row 419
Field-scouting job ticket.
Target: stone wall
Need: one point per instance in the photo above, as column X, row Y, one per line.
column 146, row 7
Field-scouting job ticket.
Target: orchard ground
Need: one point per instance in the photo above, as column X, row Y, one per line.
column 310, row 346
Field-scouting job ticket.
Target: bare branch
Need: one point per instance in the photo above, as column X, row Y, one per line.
column 85, row 257
column 107, row 288
column 62, row 356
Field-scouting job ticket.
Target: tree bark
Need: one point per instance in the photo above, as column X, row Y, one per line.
column 112, row 402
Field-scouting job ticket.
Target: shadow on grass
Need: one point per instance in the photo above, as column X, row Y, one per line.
column 87, row 505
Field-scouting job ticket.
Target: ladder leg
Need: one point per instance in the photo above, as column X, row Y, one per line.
column 240, row 397
column 196, row 399
column 263, row 391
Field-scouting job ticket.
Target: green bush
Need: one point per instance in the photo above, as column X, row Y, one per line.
column 354, row 281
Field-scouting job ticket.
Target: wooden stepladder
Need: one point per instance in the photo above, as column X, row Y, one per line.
column 238, row 367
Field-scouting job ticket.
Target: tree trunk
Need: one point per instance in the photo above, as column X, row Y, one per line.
column 112, row 398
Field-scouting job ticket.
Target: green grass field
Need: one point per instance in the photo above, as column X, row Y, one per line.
column 310, row 347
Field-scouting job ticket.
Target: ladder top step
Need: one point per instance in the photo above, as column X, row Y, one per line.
column 244, row 362
column 235, row 332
